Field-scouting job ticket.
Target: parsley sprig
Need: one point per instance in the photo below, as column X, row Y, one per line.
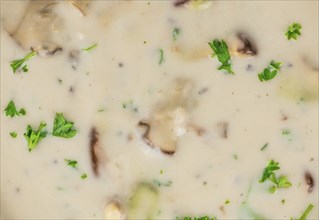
column 220, row 49
column 269, row 72
column 62, row 127
column 34, row 137
column 293, row 31
column 12, row 111
column 19, row 63
column 280, row 182
column 71, row 163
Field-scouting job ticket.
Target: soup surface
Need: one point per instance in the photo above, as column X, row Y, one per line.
column 118, row 110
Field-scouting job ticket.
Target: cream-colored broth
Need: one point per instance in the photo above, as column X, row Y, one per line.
column 124, row 69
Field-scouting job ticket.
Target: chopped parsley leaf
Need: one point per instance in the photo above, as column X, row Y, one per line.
column 175, row 34
column 22, row 111
column 293, row 31
column 281, row 182
column 34, row 137
column 269, row 171
column 71, row 163
column 270, row 72
column 227, row 202
column 220, row 49
column 62, row 127
column 283, row 201
column 17, row 64
column 11, row 109
column 286, row 132
column 90, row 47
column 13, row 134
column 84, row 176
column 161, row 57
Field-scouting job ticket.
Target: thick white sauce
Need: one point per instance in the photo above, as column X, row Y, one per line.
column 207, row 169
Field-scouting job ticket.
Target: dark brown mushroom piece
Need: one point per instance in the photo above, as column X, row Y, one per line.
column 167, row 144
column 309, row 181
column 96, row 152
column 178, row 3
column 248, row 46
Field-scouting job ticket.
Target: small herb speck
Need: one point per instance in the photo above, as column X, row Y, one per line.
column 13, row 134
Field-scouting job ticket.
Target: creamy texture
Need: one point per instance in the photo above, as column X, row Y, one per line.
column 120, row 83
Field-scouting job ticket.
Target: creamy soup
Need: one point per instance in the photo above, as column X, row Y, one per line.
column 159, row 109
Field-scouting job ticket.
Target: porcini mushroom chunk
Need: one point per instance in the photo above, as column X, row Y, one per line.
column 169, row 119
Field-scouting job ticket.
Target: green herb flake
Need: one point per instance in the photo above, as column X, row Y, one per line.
column 269, row 72
column 13, row 134
column 220, row 49
column 227, row 202
column 11, row 110
column 22, row 111
column 175, row 34
column 283, row 201
column 281, row 182
column 161, row 57
column 90, row 47
column 159, row 183
column 264, row 147
column 306, row 212
column 269, row 171
column 130, row 105
column 285, row 132
column 293, row 31
column 17, row 64
column 84, row 176
column 34, row 137
column 62, row 127
column 235, row 156
column 71, row 163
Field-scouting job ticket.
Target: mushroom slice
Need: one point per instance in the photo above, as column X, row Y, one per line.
column 96, row 152
column 36, row 28
column 309, row 181
column 114, row 211
column 169, row 119
column 248, row 45
column 243, row 45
